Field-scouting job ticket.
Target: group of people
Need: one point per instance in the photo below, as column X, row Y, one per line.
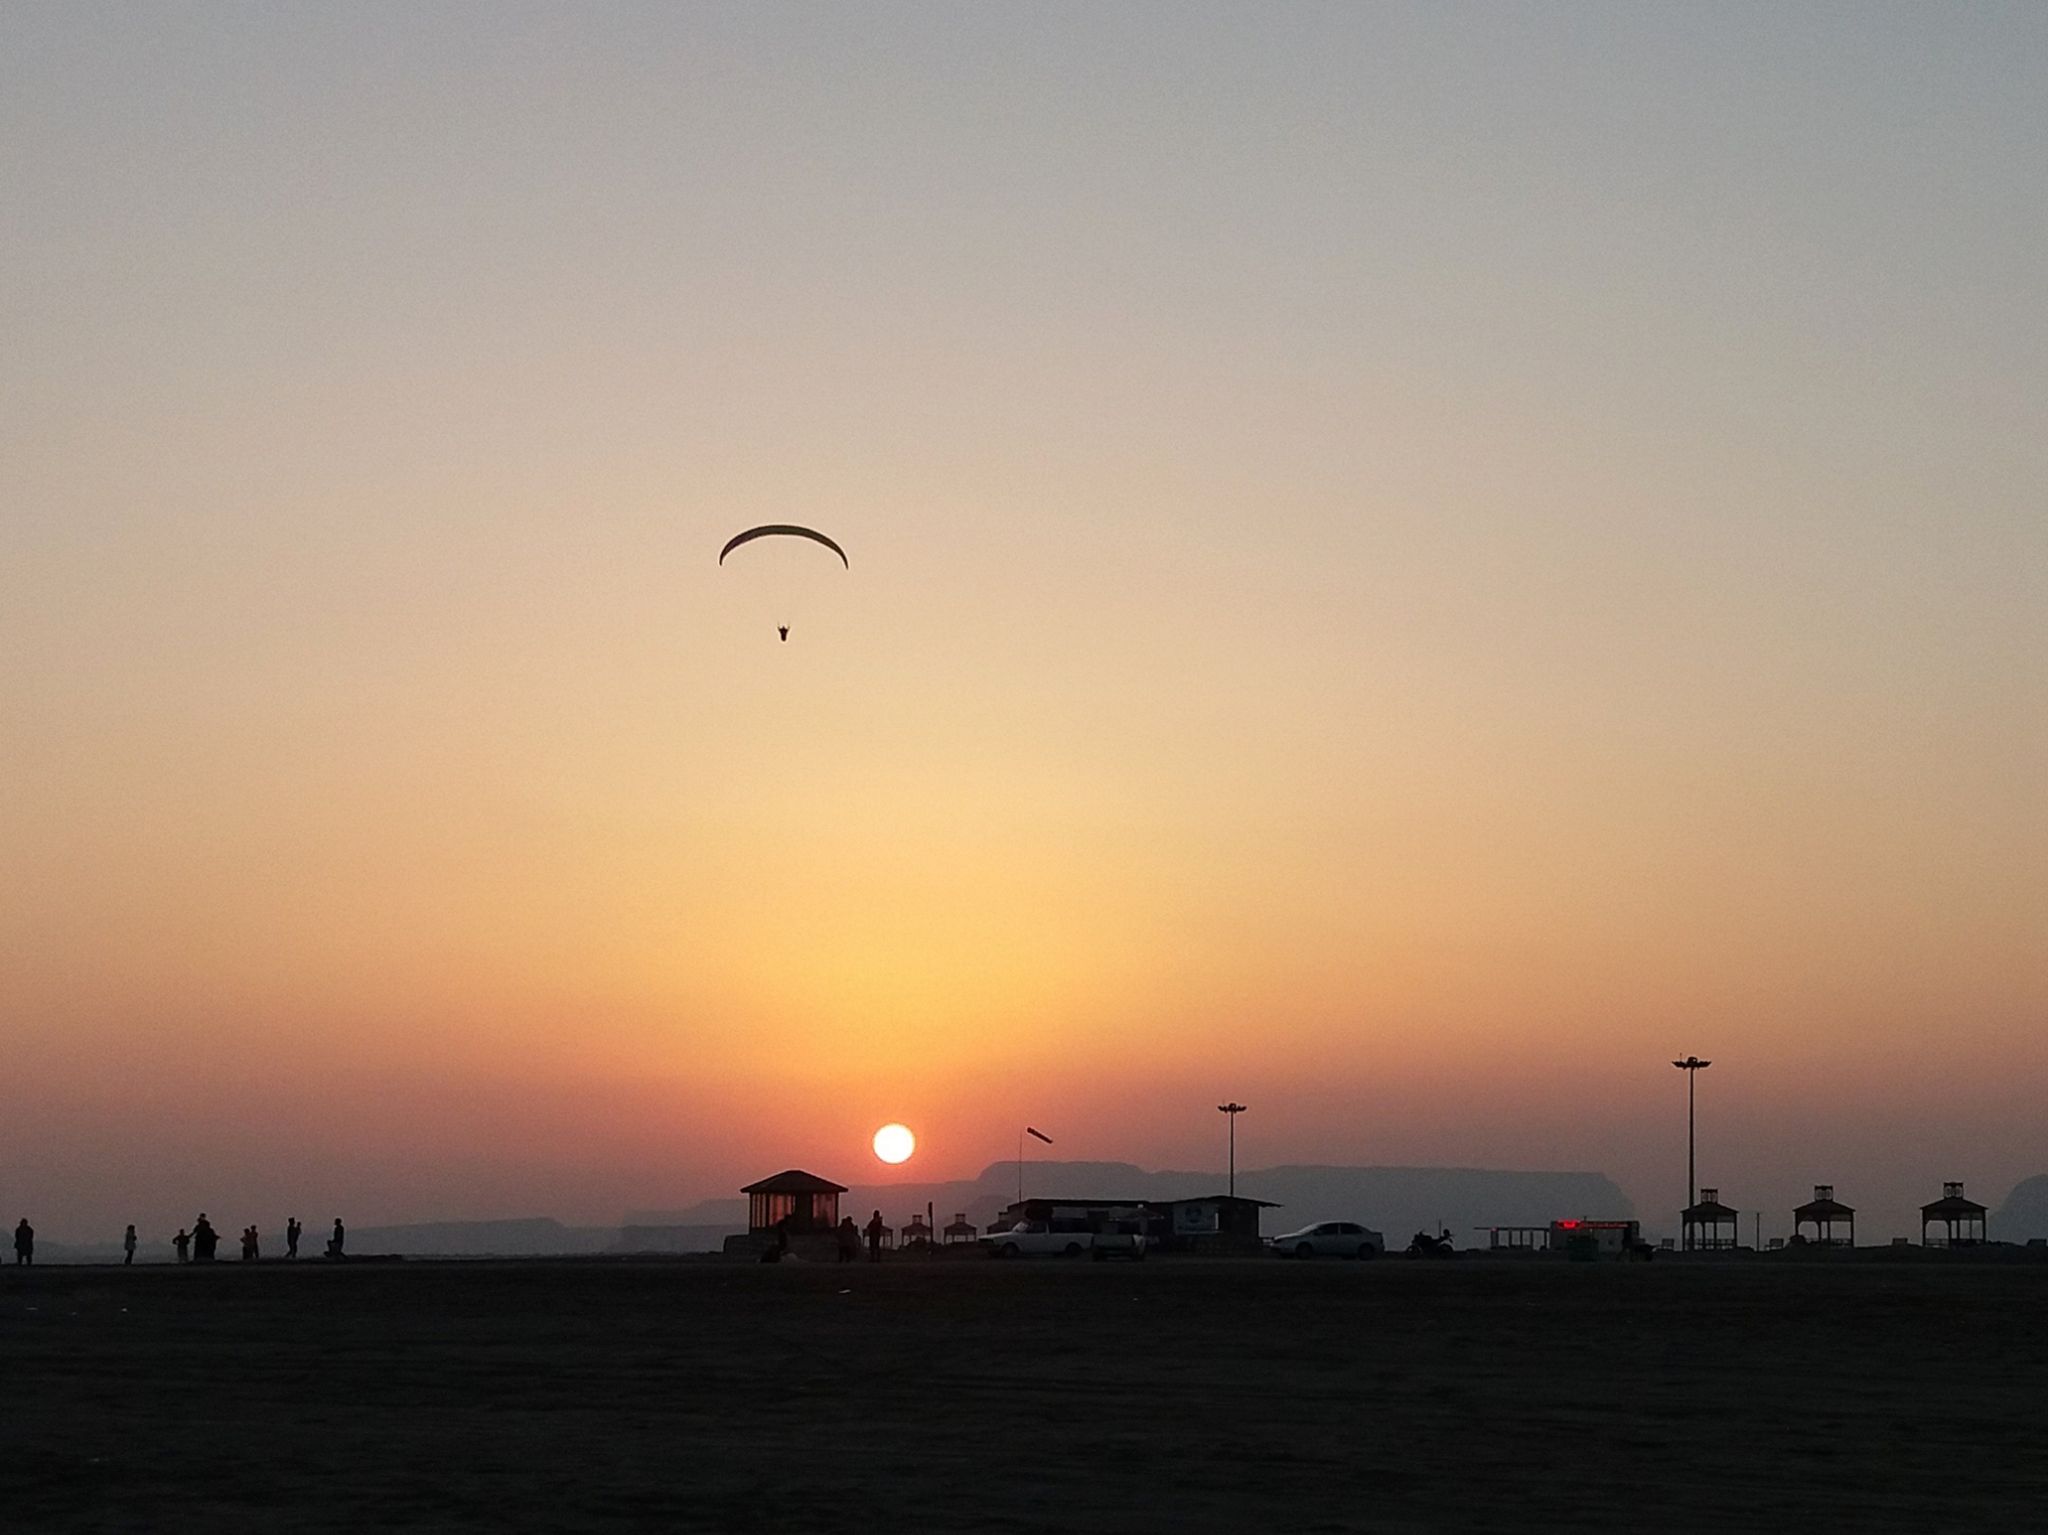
column 848, row 1234
column 849, row 1239
column 194, row 1246
column 198, row 1244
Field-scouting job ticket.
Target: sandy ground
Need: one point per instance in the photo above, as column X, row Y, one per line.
column 987, row 1396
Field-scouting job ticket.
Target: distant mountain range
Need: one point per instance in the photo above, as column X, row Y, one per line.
column 2024, row 1213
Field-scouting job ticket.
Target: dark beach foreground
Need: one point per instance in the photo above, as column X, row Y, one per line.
column 985, row 1396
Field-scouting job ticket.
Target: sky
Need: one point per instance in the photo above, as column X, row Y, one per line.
column 1409, row 564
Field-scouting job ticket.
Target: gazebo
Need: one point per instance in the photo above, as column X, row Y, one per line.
column 960, row 1229
column 1713, row 1215
column 917, row 1231
column 1824, row 1210
column 806, row 1201
column 1957, row 1214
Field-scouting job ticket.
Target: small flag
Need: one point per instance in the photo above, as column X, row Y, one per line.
column 1038, row 1134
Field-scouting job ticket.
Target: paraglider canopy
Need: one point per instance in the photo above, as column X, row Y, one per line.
column 782, row 529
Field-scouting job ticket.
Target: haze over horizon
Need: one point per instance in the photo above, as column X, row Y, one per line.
column 1409, row 565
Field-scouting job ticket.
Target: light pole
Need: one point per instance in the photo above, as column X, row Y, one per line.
column 1039, row 1135
column 1233, row 1109
column 1692, row 1066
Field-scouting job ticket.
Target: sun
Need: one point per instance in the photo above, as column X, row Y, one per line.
column 894, row 1143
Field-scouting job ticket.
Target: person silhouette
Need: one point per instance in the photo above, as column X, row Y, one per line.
column 249, row 1244
column 875, row 1230
column 183, row 1243
column 24, row 1243
column 849, row 1240
column 204, row 1239
column 128, row 1247
column 292, row 1228
column 334, row 1243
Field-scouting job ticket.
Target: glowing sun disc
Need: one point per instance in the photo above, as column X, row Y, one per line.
column 894, row 1143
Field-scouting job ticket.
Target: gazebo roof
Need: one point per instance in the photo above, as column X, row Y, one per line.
column 1710, row 1210
column 1823, row 1210
column 956, row 1227
column 1951, row 1207
column 795, row 1182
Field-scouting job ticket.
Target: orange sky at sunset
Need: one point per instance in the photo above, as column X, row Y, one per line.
column 1404, row 572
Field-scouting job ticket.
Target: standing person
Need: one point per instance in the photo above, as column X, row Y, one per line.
column 849, row 1240
column 292, row 1228
column 249, row 1244
column 334, row 1243
column 875, row 1230
column 204, row 1239
column 24, row 1243
column 183, row 1243
column 128, row 1248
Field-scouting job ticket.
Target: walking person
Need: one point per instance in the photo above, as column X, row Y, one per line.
column 182, row 1242
column 128, row 1248
column 249, row 1240
column 204, row 1239
column 875, row 1230
column 292, row 1228
column 334, row 1243
column 24, row 1243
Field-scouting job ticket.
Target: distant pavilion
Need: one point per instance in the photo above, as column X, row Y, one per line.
column 960, row 1229
column 1957, row 1214
column 1702, row 1223
column 1824, row 1210
column 806, row 1201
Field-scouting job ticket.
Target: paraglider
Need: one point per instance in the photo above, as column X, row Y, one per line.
column 782, row 530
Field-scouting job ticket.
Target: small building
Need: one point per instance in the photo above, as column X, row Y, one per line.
column 1213, row 1223
column 1516, row 1239
column 1605, row 1238
column 1824, row 1210
column 917, row 1232
column 1701, row 1224
column 1957, row 1215
column 960, row 1230
column 806, row 1201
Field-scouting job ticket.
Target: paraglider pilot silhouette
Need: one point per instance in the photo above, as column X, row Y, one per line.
column 782, row 530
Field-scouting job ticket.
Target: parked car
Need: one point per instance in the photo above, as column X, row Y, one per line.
column 1330, row 1239
column 1036, row 1239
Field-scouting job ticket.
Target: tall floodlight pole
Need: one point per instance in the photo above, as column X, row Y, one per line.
column 1692, row 1066
column 1233, row 1109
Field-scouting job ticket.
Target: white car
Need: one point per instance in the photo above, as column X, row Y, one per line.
column 1036, row 1239
column 1330, row 1239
